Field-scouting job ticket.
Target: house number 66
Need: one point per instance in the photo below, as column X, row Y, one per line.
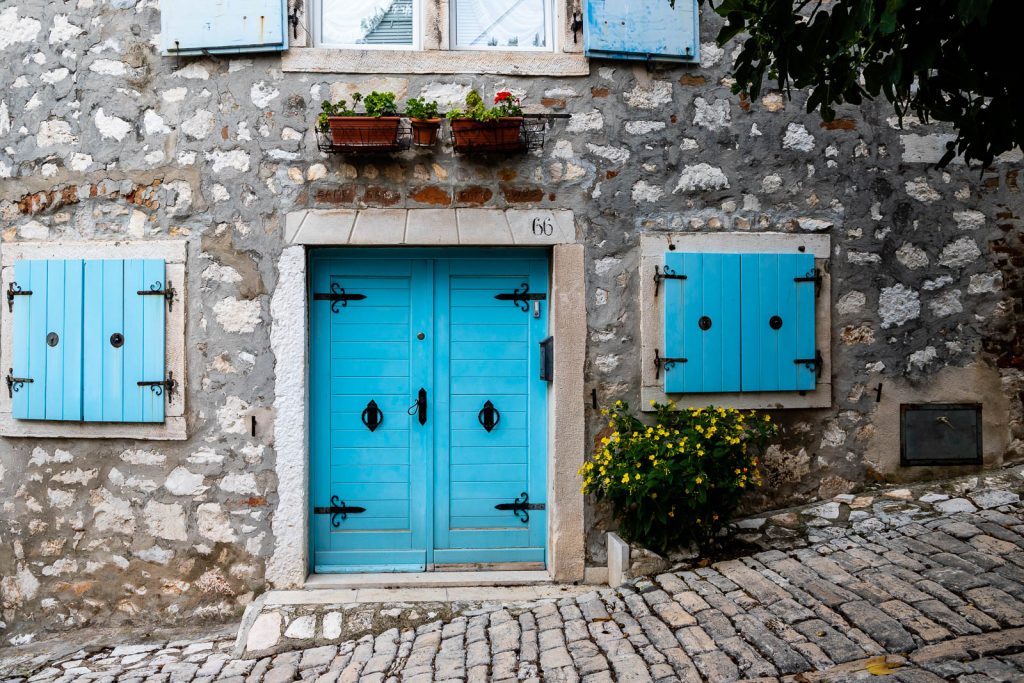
column 543, row 226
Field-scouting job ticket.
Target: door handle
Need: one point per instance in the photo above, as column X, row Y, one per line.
column 372, row 416
column 420, row 406
column 488, row 417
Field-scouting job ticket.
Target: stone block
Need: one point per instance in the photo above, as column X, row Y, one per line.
column 618, row 560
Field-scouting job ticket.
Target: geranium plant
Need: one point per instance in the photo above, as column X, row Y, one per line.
column 375, row 129
column 677, row 483
column 506, row 105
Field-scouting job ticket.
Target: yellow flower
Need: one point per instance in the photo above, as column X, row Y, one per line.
column 699, row 480
column 625, row 478
column 653, row 402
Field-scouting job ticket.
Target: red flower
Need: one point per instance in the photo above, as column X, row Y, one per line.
column 502, row 96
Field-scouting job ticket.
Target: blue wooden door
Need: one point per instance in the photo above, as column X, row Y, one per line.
column 398, row 488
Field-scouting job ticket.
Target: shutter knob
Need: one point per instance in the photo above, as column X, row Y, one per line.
column 52, row 339
column 117, row 340
column 704, row 323
column 775, row 322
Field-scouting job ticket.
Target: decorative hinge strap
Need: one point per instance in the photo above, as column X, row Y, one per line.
column 338, row 295
column 815, row 364
column 159, row 387
column 337, row 508
column 15, row 383
column 813, row 276
column 14, row 290
column 667, row 362
column 667, row 274
column 521, row 507
column 158, row 289
column 520, row 296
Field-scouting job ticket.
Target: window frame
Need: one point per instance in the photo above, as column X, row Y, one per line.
column 549, row 32
column 317, row 24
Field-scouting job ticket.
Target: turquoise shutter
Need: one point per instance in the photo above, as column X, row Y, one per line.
column 115, row 307
column 707, row 298
column 223, row 26
column 47, row 341
column 778, row 322
column 642, row 29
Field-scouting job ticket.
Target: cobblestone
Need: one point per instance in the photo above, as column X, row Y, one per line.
column 937, row 598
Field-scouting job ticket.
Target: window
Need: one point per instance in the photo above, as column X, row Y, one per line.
column 369, row 24
column 501, row 24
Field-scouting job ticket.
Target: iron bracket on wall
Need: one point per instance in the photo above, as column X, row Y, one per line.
column 667, row 362
column 158, row 289
column 815, row 364
column 520, row 297
column 15, row 383
column 815, row 277
column 14, row 290
column 336, row 295
column 666, row 274
column 521, row 507
column 338, row 507
column 160, row 387
column 547, row 359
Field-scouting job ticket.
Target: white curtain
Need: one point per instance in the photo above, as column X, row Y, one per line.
column 346, row 22
column 501, row 23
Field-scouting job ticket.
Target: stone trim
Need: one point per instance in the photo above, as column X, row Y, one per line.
column 288, row 567
column 175, row 425
column 430, row 227
column 652, row 330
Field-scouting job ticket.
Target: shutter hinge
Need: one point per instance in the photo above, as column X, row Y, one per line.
column 667, row 274
column 815, row 364
column 158, row 289
column 15, row 383
column 159, row 387
column 577, row 24
column 667, row 362
column 815, row 277
column 14, row 290
column 336, row 295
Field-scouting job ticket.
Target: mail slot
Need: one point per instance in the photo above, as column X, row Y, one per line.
column 940, row 434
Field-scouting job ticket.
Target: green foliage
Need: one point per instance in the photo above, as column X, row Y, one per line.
column 418, row 108
column 677, row 483
column 381, row 104
column 941, row 60
column 505, row 105
column 376, row 104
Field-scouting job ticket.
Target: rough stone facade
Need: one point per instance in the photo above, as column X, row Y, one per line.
column 103, row 138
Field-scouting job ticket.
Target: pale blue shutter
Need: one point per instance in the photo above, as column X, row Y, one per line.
column 642, row 29
column 778, row 295
column 702, row 323
column 223, row 26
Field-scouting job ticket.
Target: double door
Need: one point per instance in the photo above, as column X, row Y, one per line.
column 428, row 409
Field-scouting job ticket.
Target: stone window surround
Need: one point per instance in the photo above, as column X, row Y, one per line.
column 289, row 567
column 435, row 55
column 652, row 328
column 173, row 252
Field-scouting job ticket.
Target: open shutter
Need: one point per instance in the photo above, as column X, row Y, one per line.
column 702, row 323
column 46, row 380
column 223, row 26
column 642, row 29
column 124, row 341
column 778, row 293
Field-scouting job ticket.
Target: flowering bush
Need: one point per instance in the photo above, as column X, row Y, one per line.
column 677, row 483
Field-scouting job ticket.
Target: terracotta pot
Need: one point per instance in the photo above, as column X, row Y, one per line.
column 424, row 131
column 364, row 131
column 500, row 135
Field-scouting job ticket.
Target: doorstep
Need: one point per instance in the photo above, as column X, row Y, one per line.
column 428, row 579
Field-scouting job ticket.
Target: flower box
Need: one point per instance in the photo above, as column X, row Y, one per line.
column 501, row 135
column 364, row 131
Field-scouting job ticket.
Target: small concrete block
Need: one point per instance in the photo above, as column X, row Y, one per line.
column 431, row 226
column 379, row 226
column 618, row 560
column 483, row 226
column 325, row 227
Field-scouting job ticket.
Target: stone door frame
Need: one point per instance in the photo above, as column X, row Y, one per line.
column 288, row 567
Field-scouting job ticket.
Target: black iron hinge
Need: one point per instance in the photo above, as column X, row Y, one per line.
column 15, row 383
column 337, row 508
column 521, row 507
column 813, row 276
column 667, row 274
column 815, row 364
column 336, row 295
column 577, row 24
column 667, row 362
column 158, row 289
column 520, row 297
column 14, row 290
column 159, row 387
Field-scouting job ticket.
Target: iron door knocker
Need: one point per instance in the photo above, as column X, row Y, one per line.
column 372, row 416
column 488, row 417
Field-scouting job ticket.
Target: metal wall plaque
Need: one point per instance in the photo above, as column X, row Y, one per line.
column 940, row 434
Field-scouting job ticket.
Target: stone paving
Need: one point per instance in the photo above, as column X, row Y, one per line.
column 930, row 594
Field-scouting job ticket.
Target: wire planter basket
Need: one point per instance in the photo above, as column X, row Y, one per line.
column 365, row 140
column 510, row 135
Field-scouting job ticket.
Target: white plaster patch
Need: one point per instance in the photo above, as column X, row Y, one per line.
column 852, row 302
column 77, row 476
column 62, row 30
column 658, row 94
column 447, row 95
column 925, row 149
column 224, row 160
column 165, row 521
column 919, row 359
column 17, row 30
column 109, row 67
column 711, row 54
column 193, row 71
column 898, row 305
column 55, row 133
column 616, row 155
column 946, row 304
column 199, row 125
column 263, row 94
column 797, row 138
column 646, row 192
column 701, row 177
column 771, row 183
column 140, row 457
column 111, row 126
column 214, row 524
column 238, row 315
column 239, row 482
column 220, row 273
column 579, row 123
column 231, row 415
column 920, row 190
column 605, row 265
column 911, row 257
column 111, row 514
column 985, row 283
column 54, row 76
column 174, row 94
column 183, row 482
column 959, row 253
column 969, row 219
column 153, row 123
column 711, row 115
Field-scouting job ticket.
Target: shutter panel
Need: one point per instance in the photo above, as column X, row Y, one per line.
column 770, row 291
column 223, row 26
column 48, row 341
column 154, row 311
column 642, row 29
column 710, row 292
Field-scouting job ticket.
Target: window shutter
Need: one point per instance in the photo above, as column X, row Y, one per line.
column 223, row 26
column 702, row 323
column 642, row 29
column 778, row 322
column 46, row 380
column 117, row 364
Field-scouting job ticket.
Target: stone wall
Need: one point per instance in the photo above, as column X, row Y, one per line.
column 103, row 138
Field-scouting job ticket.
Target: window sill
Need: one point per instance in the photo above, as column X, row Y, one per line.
column 508, row 63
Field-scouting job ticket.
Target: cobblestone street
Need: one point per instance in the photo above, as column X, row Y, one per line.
column 923, row 586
